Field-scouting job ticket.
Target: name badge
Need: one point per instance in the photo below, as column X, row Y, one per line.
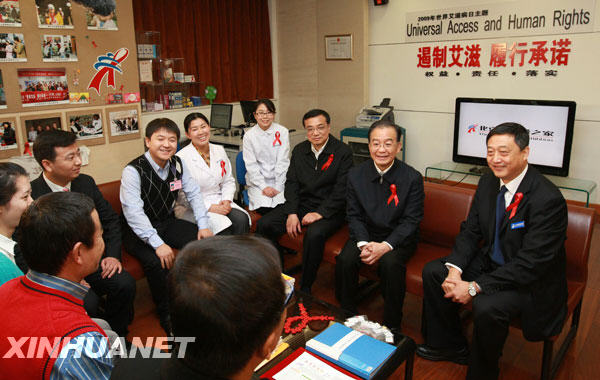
column 517, row 225
column 175, row 185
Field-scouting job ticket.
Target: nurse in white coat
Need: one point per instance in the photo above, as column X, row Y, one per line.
column 266, row 151
column 209, row 166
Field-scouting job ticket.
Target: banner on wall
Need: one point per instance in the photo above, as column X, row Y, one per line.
column 43, row 87
column 540, row 57
column 501, row 19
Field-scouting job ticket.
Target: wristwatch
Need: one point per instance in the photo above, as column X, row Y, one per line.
column 472, row 289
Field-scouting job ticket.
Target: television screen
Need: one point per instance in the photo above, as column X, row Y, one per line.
column 550, row 125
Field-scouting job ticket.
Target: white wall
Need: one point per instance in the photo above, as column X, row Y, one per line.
column 425, row 106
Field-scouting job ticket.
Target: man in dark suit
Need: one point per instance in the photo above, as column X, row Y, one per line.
column 508, row 260
column 58, row 154
column 315, row 193
column 384, row 208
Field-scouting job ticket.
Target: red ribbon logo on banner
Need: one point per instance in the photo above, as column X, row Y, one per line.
column 513, row 206
column 393, row 196
column 223, row 171
column 328, row 163
column 277, row 140
column 106, row 66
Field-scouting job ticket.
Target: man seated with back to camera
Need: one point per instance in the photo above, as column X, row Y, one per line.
column 61, row 241
column 58, row 154
column 149, row 188
column 315, row 194
column 508, row 260
column 384, row 208
column 228, row 294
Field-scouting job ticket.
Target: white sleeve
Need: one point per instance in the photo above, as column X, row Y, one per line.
column 283, row 162
column 254, row 176
column 228, row 184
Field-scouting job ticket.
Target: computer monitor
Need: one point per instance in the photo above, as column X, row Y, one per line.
column 248, row 107
column 550, row 124
column 220, row 116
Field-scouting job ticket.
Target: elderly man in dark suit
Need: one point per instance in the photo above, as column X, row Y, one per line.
column 58, row 154
column 384, row 208
column 508, row 261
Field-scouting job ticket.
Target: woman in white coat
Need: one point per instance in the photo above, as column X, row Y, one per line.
column 266, row 151
column 209, row 166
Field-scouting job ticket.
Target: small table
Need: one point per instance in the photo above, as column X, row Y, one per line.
column 405, row 346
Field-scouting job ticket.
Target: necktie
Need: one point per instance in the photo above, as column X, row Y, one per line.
column 500, row 210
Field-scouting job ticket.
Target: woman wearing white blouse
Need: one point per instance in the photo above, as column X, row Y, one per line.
column 209, row 166
column 15, row 197
column 266, row 151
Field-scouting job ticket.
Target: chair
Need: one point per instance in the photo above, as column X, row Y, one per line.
column 240, row 173
column 579, row 236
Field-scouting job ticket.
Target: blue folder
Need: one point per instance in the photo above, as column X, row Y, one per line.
column 351, row 350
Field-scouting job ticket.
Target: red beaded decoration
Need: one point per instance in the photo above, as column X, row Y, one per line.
column 303, row 320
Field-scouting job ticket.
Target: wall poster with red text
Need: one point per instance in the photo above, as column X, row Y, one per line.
column 43, row 87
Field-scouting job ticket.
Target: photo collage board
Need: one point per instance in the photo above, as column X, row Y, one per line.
column 47, row 65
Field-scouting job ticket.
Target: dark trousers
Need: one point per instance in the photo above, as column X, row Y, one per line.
column 239, row 223
column 174, row 232
column 391, row 269
column 120, row 293
column 273, row 225
column 492, row 314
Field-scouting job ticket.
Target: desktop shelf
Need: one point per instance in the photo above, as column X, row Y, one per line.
column 447, row 171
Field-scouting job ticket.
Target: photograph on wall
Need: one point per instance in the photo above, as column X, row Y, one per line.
column 43, row 87
column 8, row 135
column 54, row 14
column 86, row 126
column 97, row 21
column 33, row 127
column 123, row 122
column 79, row 97
column 9, row 146
column 10, row 13
column 57, row 48
column 2, row 93
column 12, row 47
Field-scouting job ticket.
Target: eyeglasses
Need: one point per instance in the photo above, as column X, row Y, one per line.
column 264, row 114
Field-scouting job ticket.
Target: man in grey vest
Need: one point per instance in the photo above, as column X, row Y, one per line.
column 149, row 187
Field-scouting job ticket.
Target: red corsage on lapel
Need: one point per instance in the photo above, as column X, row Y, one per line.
column 327, row 163
column 513, row 206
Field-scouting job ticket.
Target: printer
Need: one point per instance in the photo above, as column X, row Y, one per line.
column 369, row 115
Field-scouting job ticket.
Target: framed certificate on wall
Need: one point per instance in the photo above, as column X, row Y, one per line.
column 338, row 47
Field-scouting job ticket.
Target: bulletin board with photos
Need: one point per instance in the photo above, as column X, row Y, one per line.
column 62, row 46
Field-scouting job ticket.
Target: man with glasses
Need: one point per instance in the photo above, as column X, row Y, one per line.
column 385, row 208
column 315, row 194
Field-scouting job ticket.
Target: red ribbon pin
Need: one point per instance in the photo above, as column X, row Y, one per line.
column 327, row 163
column 223, row 171
column 277, row 140
column 513, row 206
column 393, row 196
column 303, row 320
